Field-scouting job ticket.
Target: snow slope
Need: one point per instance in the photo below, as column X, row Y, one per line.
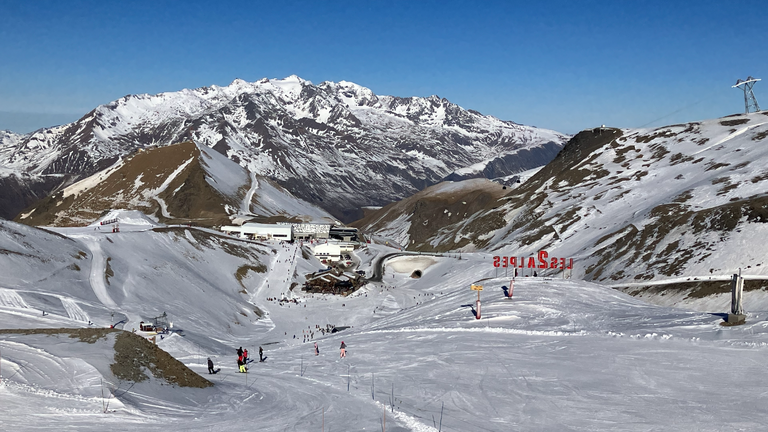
column 560, row 355
column 628, row 205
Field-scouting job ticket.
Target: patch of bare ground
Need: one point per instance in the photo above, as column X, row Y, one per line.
column 188, row 196
column 695, row 289
column 667, row 133
column 711, row 166
column 727, row 188
column 242, row 273
column 735, row 122
column 763, row 176
column 89, row 335
column 431, row 213
column 621, row 152
column 638, row 247
column 683, row 197
column 133, row 356
column 108, row 272
column 679, row 158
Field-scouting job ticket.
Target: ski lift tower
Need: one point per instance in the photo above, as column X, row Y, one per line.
column 749, row 98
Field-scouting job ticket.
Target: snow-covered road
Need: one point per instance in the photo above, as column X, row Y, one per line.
column 98, row 270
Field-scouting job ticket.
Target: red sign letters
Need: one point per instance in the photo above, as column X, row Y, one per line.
column 543, row 261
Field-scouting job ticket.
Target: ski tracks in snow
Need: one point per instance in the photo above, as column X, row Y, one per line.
column 73, row 310
column 11, row 299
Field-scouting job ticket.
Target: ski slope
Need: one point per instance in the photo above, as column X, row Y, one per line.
column 559, row 355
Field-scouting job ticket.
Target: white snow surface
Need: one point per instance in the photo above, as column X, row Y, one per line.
column 559, row 355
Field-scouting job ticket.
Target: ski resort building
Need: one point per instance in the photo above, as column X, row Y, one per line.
column 258, row 231
column 329, row 281
column 307, row 231
column 343, row 233
column 328, row 252
column 291, row 231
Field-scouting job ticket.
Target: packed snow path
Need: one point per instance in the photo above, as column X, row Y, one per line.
column 98, row 270
column 245, row 207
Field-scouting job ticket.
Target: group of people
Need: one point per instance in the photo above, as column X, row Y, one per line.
column 242, row 359
column 342, row 354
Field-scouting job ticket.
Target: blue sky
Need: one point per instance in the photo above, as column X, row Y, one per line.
column 563, row 65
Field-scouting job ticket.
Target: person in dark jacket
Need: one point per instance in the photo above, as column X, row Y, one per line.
column 343, row 350
column 261, row 354
column 210, row 366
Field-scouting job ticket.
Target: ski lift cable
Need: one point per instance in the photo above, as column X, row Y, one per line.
column 706, row 98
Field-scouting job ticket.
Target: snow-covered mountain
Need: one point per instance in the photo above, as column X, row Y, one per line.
column 337, row 145
column 181, row 183
column 628, row 205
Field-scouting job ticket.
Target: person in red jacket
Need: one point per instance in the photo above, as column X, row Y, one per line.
column 343, row 350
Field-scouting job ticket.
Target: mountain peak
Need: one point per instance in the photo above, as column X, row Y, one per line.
column 288, row 130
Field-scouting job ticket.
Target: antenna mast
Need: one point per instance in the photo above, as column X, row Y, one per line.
column 749, row 98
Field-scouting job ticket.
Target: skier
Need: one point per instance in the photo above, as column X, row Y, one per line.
column 261, row 354
column 245, row 356
column 317, row 350
column 210, row 366
column 240, row 352
column 343, row 348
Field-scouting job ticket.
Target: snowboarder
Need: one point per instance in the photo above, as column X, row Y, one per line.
column 343, row 348
column 210, row 366
column 241, row 365
column 317, row 350
column 261, row 354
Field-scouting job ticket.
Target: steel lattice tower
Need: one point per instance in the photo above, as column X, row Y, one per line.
column 749, row 97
